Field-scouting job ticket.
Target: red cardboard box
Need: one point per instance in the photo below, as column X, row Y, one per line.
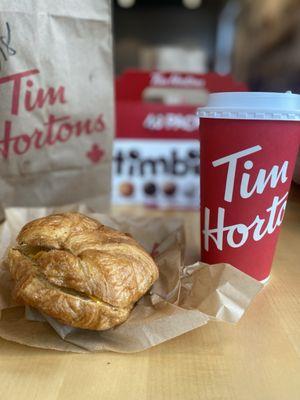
column 156, row 150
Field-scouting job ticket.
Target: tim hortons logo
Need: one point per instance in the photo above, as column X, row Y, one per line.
column 238, row 234
column 177, row 80
column 133, row 163
column 25, row 97
column 171, row 122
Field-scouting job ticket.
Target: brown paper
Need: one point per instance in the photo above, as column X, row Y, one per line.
column 56, row 109
column 183, row 298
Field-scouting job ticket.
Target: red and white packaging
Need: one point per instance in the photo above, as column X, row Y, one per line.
column 156, row 150
column 249, row 144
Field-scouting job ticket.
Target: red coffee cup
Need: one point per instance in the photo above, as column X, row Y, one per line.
column 249, row 144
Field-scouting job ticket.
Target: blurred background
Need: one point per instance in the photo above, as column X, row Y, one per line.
column 257, row 40
column 169, row 55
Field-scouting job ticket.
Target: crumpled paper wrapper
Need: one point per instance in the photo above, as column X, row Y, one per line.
column 184, row 297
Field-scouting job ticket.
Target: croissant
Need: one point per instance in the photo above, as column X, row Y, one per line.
column 78, row 271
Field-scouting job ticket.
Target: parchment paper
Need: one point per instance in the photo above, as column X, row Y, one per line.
column 183, row 298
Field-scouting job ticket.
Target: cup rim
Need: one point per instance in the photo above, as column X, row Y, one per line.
column 252, row 106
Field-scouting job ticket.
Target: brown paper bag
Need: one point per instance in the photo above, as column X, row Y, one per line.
column 56, row 108
column 183, row 298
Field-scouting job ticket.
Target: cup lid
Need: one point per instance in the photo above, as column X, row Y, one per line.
column 252, row 105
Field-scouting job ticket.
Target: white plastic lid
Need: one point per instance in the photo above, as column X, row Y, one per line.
column 252, row 105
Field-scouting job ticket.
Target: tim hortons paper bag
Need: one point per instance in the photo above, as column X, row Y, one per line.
column 56, row 104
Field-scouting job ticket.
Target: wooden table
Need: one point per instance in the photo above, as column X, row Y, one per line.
column 257, row 359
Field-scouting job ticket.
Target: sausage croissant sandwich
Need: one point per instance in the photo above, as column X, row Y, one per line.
column 78, row 271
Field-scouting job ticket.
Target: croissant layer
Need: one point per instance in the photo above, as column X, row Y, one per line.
column 84, row 274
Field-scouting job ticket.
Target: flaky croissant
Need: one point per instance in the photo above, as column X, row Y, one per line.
column 74, row 269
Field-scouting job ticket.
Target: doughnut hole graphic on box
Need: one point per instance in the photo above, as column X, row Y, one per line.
column 156, row 150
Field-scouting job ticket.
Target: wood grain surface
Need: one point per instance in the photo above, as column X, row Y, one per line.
column 257, row 359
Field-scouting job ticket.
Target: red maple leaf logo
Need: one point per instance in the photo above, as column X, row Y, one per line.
column 95, row 154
